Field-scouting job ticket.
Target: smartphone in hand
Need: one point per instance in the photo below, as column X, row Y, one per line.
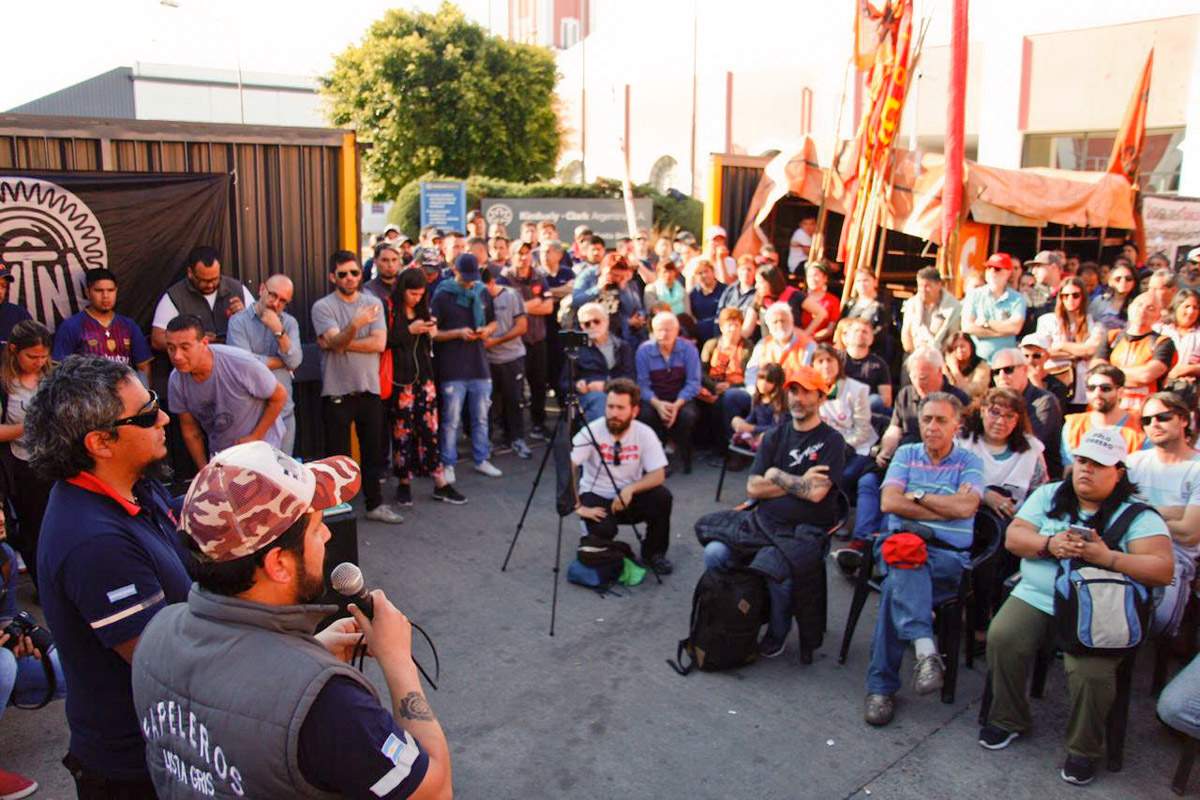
column 1083, row 532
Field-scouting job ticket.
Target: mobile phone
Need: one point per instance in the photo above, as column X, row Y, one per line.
column 1083, row 532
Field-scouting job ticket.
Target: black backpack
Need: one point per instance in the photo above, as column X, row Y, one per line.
column 728, row 608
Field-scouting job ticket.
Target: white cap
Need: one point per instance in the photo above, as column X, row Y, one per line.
column 1104, row 446
column 714, row 231
column 1036, row 340
column 1194, row 254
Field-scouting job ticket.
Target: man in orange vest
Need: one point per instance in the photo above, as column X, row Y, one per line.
column 1143, row 355
column 1105, row 387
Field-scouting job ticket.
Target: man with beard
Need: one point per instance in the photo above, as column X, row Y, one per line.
column 99, row 434
column 793, row 477
column 99, row 330
column 387, row 269
column 283, row 711
column 624, row 467
column 1105, row 385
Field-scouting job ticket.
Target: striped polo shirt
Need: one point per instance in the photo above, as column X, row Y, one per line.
column 911, row 469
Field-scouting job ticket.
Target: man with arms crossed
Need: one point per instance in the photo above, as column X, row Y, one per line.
column 283, row 712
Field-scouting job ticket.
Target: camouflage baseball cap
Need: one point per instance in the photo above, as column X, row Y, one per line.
column 250, row 494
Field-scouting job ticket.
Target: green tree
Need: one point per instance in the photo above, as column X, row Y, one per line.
column 436, row 93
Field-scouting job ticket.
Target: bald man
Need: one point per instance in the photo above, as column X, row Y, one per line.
column 273, row 336
column 668, row 374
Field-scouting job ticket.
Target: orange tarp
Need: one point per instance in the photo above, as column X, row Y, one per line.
column 995, row 196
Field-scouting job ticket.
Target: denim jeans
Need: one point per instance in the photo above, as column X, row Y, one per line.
column 593, row 405
column 477, row 395
column 906, row 603
column 868, row 519
column 23, row 680
column 877, row 406
column 856, row 465
column 779, row 593
column 1179, row 703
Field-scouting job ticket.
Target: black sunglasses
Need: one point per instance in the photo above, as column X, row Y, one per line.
column 1162, row 416
column 1103, row 388
column 348, row 273
column 1005, row 370
column 143, row 419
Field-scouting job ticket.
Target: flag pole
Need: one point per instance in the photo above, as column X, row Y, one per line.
column 816, row 253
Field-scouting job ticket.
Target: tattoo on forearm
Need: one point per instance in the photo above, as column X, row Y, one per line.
column 793, row 484
column 414, row 706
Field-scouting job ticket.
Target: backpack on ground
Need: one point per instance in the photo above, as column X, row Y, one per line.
column 1100, row 611
column 728, row 608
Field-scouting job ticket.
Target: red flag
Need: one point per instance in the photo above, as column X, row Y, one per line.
column 870, row 29
column 1131, row 138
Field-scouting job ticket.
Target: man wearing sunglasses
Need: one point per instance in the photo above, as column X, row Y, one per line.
column 273, row 336
column 352, row 332
column 1167, row 476
column 107, row 559
column 1105, row 385
column 1143, row 355
column 1010, row 371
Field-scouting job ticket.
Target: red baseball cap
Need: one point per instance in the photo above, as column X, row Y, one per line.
column 1000, row 261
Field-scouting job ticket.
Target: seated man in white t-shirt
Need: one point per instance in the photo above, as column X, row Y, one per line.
column 624, row 467
column 1167, row 477
column 800, row 244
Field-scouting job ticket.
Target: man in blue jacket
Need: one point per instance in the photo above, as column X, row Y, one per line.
column 668, row 373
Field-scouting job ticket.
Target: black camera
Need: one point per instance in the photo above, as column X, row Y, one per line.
column 572, row 340
column 24, row 625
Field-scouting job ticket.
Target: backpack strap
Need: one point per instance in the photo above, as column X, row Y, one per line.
column 1120, row 526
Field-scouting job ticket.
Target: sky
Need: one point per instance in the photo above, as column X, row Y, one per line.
column 67, row 41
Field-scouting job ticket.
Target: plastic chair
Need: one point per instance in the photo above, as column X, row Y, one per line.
column 948, row 614
column 1187, row 757
column 735, row 448
column 1182, row 645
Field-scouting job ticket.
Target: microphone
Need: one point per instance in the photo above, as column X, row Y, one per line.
column 347, row 579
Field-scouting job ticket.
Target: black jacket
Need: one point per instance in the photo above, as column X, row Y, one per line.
column 591, row 366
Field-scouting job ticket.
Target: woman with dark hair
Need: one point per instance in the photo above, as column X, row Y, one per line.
column 846, row 409
column 1095, row 493
column 964, row 370
column 1185, row 333
column 1073, row 335
column 996, row 428
column 771, row 287
column 414, row 402
column 25, row 363
column 1110, row 306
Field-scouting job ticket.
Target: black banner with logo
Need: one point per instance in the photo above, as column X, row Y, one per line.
column 54, row 226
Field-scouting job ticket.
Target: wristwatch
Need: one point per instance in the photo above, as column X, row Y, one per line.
column 918, row 495
column 279, row 335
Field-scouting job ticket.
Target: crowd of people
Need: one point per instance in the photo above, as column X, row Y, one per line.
column 1054, row 396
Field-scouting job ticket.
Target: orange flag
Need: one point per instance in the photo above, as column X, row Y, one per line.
column 1131, row 139
column 869, row 32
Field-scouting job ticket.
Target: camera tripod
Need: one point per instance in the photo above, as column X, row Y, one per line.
column 571, row 409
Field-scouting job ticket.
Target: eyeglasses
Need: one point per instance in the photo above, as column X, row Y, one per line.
column 1000, row 413
column 588, row 323
column 1069, row 295
column 1162, row 416
column 276, row 298
column 1103, row 388
column 1123, row 278
column 1006, row 370
column 349, row 273
column 143, row 419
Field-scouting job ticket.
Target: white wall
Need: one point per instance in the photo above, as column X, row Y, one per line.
column 219, row 103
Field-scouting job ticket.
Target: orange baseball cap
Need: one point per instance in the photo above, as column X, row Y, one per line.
column 806, row 377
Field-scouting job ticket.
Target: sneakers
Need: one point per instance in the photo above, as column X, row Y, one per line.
column 928, row 674
column 849, row 558
column 993, row 738
column 771, row 647
column 14, row 786
column 539, row 433
column 521, row 449
column 1078, row 770
column 487, row 468
column 448, row 494
column 385, row 513
column 880, row 710
column 661, row 565
column 404, row 495
column 502, row 449
column 448, row 474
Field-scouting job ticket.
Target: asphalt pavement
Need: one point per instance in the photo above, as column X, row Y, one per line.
column 595, row 712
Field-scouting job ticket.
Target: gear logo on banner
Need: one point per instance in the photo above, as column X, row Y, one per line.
column 49, row 238
column 499, row 213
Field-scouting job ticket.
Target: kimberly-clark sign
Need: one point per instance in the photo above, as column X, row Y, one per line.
column 606, row 218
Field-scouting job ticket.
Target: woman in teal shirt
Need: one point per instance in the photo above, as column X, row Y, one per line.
column 1096, row 492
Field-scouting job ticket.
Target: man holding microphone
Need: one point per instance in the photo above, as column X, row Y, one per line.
column 235, row 695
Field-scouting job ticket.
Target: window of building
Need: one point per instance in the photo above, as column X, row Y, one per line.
column 664, row 174
column 569, row 32
column 1090, row 151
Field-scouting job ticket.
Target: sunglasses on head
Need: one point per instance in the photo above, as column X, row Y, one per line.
column 348, row 273
column 1006, row 370
column 1103, row 388
column 143, row 419
column 1162, row 416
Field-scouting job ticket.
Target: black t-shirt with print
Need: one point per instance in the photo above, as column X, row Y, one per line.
column 796, row 452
